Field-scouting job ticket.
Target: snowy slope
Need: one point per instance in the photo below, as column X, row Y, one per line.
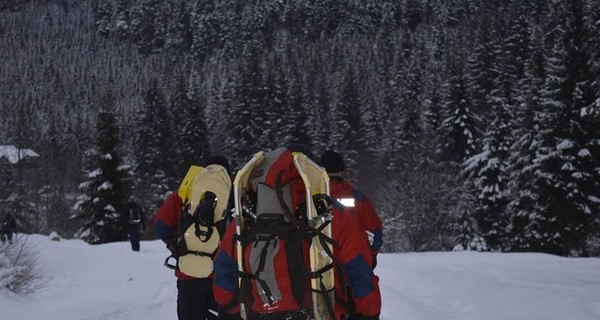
column 112, row 282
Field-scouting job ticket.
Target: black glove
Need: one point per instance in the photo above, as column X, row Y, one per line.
column 374, row 261
column 375, row 317
column 323, row 203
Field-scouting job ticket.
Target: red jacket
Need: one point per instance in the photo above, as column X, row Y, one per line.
column 361, row 207
column 166, row 222
column 353, row 256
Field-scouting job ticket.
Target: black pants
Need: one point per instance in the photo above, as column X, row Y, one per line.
column 134, row 238
column 195, row 300
column 351, row 309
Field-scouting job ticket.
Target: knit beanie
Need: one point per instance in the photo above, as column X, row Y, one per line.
column 332, row 162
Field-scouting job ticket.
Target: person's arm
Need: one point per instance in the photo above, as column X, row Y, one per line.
column 370, row 221
column 354, row 258
column 225, row 267
column 167, row 218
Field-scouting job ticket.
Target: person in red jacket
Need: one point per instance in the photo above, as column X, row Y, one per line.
column 195, row 299
column 352, row 198
column 353, row 259
column 360, row 206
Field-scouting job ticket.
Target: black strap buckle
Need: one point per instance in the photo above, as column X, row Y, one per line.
column 169, row 265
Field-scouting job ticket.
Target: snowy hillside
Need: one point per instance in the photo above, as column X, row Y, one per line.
column 110, row 282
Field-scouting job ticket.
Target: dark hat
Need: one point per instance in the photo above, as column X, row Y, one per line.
column 332, row 162
column 217, row 159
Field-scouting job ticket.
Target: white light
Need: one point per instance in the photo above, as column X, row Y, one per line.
column 371, row 237
column 347, row 202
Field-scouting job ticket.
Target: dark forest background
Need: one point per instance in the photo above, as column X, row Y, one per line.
column 467, row 122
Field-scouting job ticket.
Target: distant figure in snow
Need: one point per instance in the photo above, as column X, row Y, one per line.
column 133, row 216
column 8, row 228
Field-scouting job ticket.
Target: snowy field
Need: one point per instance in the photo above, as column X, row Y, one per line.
column 110, row 282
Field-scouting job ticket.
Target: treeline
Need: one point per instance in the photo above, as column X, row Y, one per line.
column 467, row 122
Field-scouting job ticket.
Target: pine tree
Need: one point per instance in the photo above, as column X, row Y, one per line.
column 25, row 212
column 122, row 25
column 205, row 29
column 155, row 171
column 463, row 224
column 103, row 12
column 59, row 151
column 179, row 34
column 514, row 50
column 389, row 114
column 192, row 132
column 349, row 134
column 460, row 124
column 368, row 151
column 412, row 123
column 21, row 189
column 489, row 174
column 521, row 167
column 60, row 147
column 567, row 178
column 24, row 137
column 591, row 113
column 164, row 15
column 147, row 28
column 320, row 18
column 295, row 127
column 58, row 210
column 223, row 119
column 228, row 18
column 246, row 113
column 276, row 101
column 488, row 170
column 106, row 187
column 319, row 108
column 482, row 70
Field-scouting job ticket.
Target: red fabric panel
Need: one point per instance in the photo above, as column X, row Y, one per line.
column 363, row 210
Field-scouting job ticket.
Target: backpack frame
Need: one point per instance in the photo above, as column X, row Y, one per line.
column 282, row 265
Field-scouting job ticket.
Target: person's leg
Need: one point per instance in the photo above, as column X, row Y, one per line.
column 352, row 315
column 212, row 309
column 10, row 236
column 179, row 315
column 190, row 302
column 205, row 304
column 134, row 237
column 131, row 239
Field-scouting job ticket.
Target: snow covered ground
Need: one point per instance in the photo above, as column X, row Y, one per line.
column 111, row 282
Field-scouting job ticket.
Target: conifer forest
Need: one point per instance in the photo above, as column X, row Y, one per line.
column 467, row 122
